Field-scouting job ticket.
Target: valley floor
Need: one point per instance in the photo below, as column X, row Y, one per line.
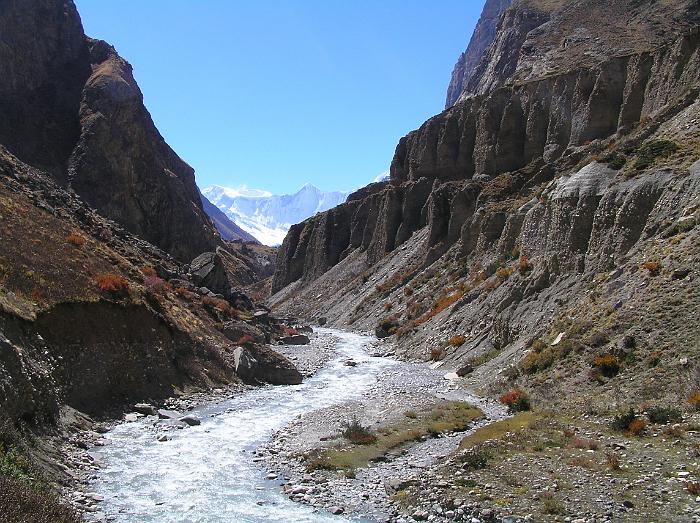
column 424, row 448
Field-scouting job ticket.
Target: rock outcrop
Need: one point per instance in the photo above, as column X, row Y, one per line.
column 484, row 33
column 69, row 105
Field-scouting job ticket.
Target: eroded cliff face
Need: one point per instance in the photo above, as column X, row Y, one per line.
column 69, row 105
column 543, row 200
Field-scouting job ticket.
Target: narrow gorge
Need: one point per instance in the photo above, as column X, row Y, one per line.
column 506, row 330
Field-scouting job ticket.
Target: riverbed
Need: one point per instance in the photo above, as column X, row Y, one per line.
column 214, row 472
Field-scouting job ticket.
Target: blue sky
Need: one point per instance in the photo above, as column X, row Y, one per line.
column 273, row 94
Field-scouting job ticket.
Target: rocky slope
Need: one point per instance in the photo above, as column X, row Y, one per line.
column 69, row 105
column 506, row 212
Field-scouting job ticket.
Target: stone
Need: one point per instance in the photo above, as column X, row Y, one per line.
column 295, row 339
column 146, row 409
column 191, row 420
column 168, row 414
column 244, row 364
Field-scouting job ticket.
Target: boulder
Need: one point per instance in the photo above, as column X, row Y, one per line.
column 146, row 409
column 295, row 339
column 245, row 365
column 191, row 420
column 274, row 368
column 168, row 414
column 322, row 321
column 207, row 270
column 241, row 332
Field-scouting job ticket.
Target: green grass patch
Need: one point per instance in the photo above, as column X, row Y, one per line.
column 517, row 423
column 446, row 417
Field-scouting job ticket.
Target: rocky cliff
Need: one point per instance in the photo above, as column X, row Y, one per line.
column 545, row 201
column 69, row 105
column 484, row 33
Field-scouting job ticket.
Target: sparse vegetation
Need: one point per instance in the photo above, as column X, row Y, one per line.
column 457, row 340
column 607, row 364
column 357, row 433
column 664, row 415
column 444, row 418
column 651, row 150
column 76, row 239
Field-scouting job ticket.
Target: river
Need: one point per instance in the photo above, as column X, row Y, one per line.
column 207, row 473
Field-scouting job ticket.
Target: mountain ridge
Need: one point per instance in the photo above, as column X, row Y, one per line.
column 267, row 216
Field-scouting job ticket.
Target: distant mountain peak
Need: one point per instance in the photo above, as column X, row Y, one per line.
column 269, row 216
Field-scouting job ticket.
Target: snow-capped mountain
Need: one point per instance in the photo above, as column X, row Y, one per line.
column 269, row 216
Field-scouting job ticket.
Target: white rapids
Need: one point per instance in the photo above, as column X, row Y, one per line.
column 207, row 473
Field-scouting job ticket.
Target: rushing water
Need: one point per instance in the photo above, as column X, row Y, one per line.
column 206, row 473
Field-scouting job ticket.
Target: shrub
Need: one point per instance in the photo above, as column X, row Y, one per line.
column 289, row 331
column 388, row 306
column 474, row 459
column 112, row 283
column 550, row 505
column 437, row 353
column 607, row 364
column 220, row 306
column 408, row 291
column 693, row 488
column 243, row 340
column 628, row 422
column 184, row 293
column 652, row 266
column 581, row 443
column 148, row 271
column 694, row 400
column 411, row 414
column 636, row 427
column 357, row 433
column 664, row 415
column 653, row 149
column 615, row 160
column 76, row 239
column 503, row 273
column 524, row 265
column 612, row 460
column 20, row 503
column 457, row 340
column 540, row 357
column 157, row 285
column 621, row 422
column 516, row 400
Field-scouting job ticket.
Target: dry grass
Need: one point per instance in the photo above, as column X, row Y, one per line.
column 76, row 239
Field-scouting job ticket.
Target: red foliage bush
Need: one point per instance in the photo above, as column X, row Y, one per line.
column 157, row 285
column 112, row 283
column 516, row 400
